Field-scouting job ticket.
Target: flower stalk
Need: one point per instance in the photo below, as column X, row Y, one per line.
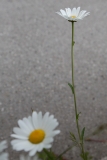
column 73, row 85
column 74, row 94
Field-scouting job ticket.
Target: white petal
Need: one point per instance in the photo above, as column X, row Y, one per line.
column 23, row 126
column 21, row 145
column 29, row 146
column 45, row 119
column 28, row 123
column 30, row 119
column 40, row 147
column 73, row 12
column 48, row 146
column 13, row 142
column 48, row 140
column 59, row 13
column 51, row 125
column 33, row 152
column 81, row 14
column 53, row 133
column 19, row 131
column 3, row 145
column 86, row 14
column 77, row 12
column 63, row 12
column 62, row 15
column 68, row 12
column 19, row 137
column 35, row 120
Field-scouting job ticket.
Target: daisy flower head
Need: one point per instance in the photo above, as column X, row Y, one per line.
column 3, row 155
column 35, row 133
column 22, row 157
column 74, row 14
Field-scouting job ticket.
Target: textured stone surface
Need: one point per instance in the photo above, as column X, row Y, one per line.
column 35, row 67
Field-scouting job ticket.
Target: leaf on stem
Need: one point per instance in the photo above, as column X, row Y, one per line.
column 72, row 136
column 77, row 116
column 72, row 88
column 82, row 133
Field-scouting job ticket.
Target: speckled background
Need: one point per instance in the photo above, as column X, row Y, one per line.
column 35, row 68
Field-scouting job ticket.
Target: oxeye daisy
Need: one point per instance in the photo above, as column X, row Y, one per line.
column 74, row 14
column 3, row 155
column 22, row 157
column 35, row 133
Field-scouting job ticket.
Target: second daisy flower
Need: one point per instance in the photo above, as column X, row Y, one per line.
column 35, row 133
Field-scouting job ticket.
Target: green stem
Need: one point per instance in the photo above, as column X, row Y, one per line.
column 75, row 104
column 49, row 155
column 72, row 67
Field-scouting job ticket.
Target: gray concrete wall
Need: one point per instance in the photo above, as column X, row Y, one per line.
column 35, row 67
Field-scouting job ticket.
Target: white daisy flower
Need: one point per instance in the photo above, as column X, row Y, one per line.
column 35, row 133
column 74, row 14
column 22, row 157
column 3, row 145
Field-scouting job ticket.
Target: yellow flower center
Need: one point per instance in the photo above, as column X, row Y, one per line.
column 37, row 136
column 73, row 16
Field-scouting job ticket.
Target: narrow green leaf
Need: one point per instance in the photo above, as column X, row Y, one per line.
column 72, row 88
column 72, row 136
column 82, row 133
column 77, row 116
